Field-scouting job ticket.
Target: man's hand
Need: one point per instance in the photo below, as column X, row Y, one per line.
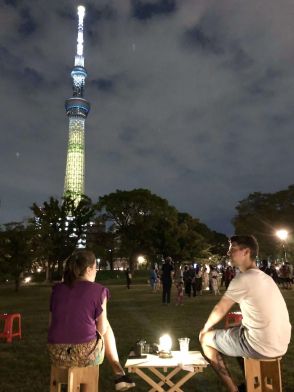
column 218, row 312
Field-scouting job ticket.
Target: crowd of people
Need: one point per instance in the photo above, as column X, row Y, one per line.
column 282, row 273
column 189, row 280
column 194, row 279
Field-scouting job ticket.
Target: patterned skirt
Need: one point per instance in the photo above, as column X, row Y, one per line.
column 77, row 355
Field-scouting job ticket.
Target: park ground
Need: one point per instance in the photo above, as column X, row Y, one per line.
column 134, row 314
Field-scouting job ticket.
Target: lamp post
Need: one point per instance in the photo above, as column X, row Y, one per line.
column 282, row 234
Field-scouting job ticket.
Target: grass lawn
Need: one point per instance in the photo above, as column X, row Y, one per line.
column 134, row 314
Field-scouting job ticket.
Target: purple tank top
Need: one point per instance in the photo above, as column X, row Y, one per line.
column 75, row 311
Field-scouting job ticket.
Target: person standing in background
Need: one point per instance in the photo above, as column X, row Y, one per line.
column 129, row 278
column 153, row 279
column 180, row 293
column 166, row 279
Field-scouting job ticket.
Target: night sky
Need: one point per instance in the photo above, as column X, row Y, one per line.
column 192, row 99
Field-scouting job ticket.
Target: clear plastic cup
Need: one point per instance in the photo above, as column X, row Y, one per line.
column 146, row 348
column 184, row 345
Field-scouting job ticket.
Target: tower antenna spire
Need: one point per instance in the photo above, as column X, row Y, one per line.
column 79, row 59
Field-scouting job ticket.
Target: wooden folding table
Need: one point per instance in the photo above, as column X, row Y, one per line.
column 164, row 369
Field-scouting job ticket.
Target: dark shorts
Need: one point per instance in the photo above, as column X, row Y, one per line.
column 232, row 342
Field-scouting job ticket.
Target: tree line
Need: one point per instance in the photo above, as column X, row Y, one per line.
column 122, row 224
column 125, row 224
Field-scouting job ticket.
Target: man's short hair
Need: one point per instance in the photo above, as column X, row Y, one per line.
column 247, row 241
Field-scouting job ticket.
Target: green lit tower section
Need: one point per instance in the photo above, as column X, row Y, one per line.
column 77, row 109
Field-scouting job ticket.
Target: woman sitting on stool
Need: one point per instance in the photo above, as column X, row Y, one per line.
column 79, row 330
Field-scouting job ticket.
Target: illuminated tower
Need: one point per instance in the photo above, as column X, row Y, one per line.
column 77, row 109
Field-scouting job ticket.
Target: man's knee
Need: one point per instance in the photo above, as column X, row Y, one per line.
column 205, row 338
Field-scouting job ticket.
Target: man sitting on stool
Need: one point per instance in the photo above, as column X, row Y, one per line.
column 265, row 330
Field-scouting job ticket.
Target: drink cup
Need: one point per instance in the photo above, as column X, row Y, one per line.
column 184, row 345
column 146, row 348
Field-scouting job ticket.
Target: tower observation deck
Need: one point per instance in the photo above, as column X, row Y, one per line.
column 77, row 109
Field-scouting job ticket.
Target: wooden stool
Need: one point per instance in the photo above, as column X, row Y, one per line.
column 263, row 375
column 78, row 379
column 8, row 332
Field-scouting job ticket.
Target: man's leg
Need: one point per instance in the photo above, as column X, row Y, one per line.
column 164, row 293
column 216, row 361
column 168, row 293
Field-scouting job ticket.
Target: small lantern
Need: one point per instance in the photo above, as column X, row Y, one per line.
column 165, row 345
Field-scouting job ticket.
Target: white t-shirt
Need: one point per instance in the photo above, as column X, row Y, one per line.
column 264, row 311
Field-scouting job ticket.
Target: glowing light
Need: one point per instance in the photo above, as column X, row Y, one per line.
column 28, row 279
column 79, row 60
column 165, row 343
column 39, row 269
column 282, row 234
column 141, row 259
column 79, row 80
column 81, row 11
column 74, row 175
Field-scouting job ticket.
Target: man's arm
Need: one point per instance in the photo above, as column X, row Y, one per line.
column 218, row 312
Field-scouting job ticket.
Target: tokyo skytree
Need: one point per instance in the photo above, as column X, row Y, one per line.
column 77, row 109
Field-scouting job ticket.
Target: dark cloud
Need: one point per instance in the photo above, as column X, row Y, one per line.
column 12, row 66
column 146, row 9
column 27, row 25
column 239, row 59
column 67, row 13
column 128, row 134
column 97, row 12
column 33, row 78
column 12, row 3
column 8, row 59
column 105, row 85
column 199, row 39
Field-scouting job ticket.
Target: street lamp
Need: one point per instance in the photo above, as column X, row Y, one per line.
column 282, row 234
column 141, row 260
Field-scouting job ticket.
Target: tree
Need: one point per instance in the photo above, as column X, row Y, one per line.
column 181, row 236
column 58, row 228
column 15, row 250
column 102, row 242
column 218, row 244
column 261, row 214
column 133, row 216
column 144, row 223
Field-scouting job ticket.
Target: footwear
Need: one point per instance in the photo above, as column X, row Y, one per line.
column 242, row 387
column 123, row 383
